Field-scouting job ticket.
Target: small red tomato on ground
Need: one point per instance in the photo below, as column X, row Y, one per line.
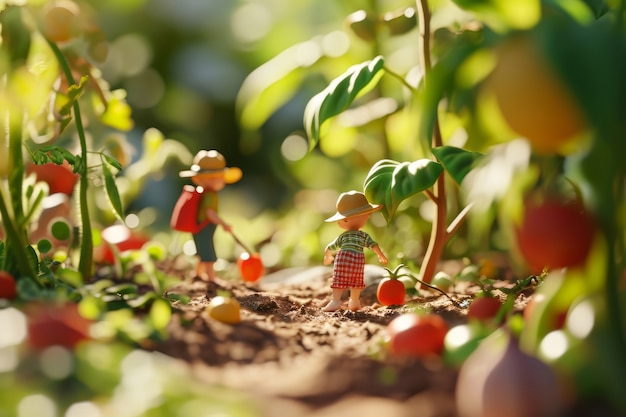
column 54, row 325
column 250, row 266
column 8, row 288
column 60, row 178
column 390, row 292
column 484, row 308
column 555, row 234
column 416, row 335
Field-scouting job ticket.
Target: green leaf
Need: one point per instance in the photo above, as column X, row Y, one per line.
column 389, row 182
column 378, row 182
column 184, row 299
column 61, row 230
column 112, row 161
column 28, row 289
column 267, row 89
column 70, row 276
column 142, row 300
column 33, row 259
column 44, row 246
column 339, row 94
column 91, row 307
column 122, row 289
column 410, row 178
column 456, row 161
column 112, row 192
column 16, row 37
column 160, row 313
column 73, row 94
column 54, row 153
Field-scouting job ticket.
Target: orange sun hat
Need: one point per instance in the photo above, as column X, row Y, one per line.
column 212, row 163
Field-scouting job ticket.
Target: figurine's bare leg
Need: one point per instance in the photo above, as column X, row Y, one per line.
column 335, row 303
column 205, row 271
column 355, row 303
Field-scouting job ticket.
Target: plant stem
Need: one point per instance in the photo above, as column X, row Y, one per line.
column 438, row 235
column 15, row 244
column 400, row 78
column 14, row 223
column 86, row 246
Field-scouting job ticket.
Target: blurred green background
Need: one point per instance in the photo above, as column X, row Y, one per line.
column 196, row 71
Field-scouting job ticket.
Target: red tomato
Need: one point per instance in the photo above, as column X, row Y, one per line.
column 8, row 289
column 123, row 238
column 60, row 178
column 250, row 267
column 555, row 234
column 52, row 325
column 484, row 308
column 416, row 335
column 390, row 292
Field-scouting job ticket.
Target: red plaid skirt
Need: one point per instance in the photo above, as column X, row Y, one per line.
column 348, row 270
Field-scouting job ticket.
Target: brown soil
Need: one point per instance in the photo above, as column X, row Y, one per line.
column 292, row 359
column 295, row 360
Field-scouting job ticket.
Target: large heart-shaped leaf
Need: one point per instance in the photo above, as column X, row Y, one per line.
column 456, row 161
column 390, row 182
column 377, row 184
column 339, row 94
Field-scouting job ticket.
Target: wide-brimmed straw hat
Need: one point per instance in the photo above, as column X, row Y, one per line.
column 352, row 204
column 212, row 162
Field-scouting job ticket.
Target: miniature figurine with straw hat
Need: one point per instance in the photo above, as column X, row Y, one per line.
column 210, row 174
column 346, row 251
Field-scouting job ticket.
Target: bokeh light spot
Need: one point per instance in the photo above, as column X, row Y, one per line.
column 83, row 409
column 581, row 319
column 251, row 22
column 36, row 405
column 554, row 345
column 56, row 362
column 294, row 147
column 13, row 325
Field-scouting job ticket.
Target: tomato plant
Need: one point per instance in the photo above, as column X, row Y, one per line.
column 416, row 335
column 8, row 289
column 484, row 308
column 390, row 291
column 554, row 234
column 250, row 266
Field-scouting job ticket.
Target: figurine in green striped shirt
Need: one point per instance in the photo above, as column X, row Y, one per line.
column 346, row 251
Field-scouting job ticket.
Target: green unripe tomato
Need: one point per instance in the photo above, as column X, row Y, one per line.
column 442, row 280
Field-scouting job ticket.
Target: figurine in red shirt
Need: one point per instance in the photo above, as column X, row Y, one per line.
column 196, row 209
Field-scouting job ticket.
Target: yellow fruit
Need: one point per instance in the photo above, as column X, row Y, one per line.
column 224, row 309
column 533, row 100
